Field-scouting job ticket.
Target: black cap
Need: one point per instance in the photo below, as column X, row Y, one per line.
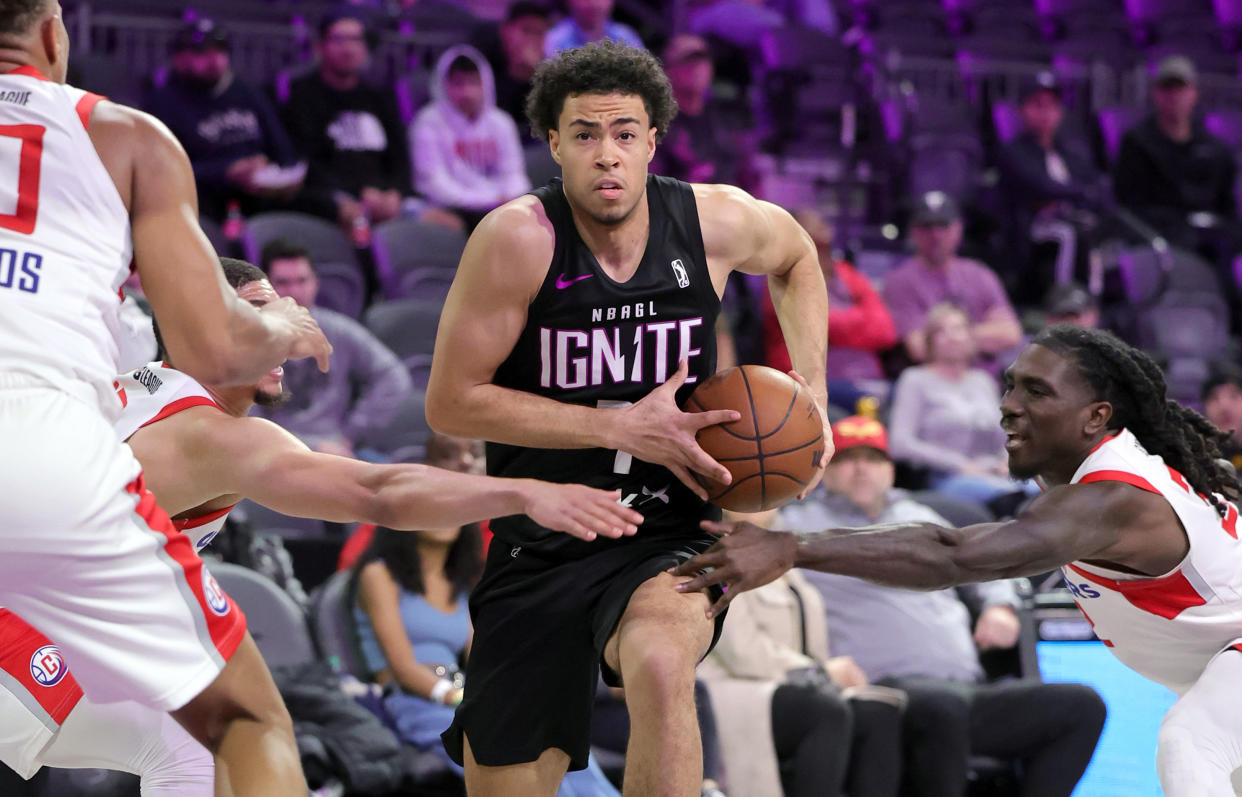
column 1041, row 81
column 933, row 209
column 1221, row 372
column 200, row 36
column 1068, row 299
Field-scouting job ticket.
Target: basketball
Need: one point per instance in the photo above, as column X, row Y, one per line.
column 773, row 450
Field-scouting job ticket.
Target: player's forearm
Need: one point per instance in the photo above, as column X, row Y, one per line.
column 258, row 343
column 412, row 497
column 998, row 334
column 515, row 417
column 801, row 302
column 918, row 556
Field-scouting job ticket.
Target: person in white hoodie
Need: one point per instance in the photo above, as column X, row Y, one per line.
column 466, row 152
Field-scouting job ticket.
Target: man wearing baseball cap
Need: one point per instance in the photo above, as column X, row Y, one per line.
column 1049, row 181
column 924, row 644
column 228, row 127
column 937, row 274
column 1174, row 174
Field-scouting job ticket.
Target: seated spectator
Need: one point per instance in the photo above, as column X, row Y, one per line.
column 588, row 21
column 413, row 624
column 1222, row 404
column 859, row 324
column 743, row 22
column 936, row 274
column 1050, row 183
column 1071, row 304
column 710, row 141
column 466, row 151
column 923, row 643
column 228, row 128
column 514, row 49
column 770, row 678
column 365, row 386
column 946, row 417
column 351, row 133
column 1178, row 177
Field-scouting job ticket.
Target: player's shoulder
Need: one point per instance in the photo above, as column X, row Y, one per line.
column 520, row 228
column 716, row 199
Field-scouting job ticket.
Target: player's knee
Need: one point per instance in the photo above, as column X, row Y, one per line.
column 657, row 669
column 211, row 715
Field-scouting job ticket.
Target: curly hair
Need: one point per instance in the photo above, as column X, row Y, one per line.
column 603, row 67
column 1133, row 383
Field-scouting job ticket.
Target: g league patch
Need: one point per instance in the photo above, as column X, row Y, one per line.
column 217, row 601
column 47, row 666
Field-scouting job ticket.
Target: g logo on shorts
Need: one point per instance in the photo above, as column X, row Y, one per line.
column 217, row 601
column 47, row 666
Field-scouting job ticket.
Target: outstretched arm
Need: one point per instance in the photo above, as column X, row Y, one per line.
column 1081, row 521
column 214, row 454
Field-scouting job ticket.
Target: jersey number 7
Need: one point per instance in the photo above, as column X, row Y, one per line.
column 29, row 165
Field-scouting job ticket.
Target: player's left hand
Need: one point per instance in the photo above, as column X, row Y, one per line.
column 746, row 556
column 829, row 447
column 997, row 627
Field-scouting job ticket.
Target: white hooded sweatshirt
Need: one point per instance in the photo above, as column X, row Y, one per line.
column 463, row 163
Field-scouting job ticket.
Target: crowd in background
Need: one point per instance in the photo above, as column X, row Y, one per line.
column 854, row 685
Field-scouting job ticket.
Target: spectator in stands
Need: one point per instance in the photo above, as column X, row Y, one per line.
column 1174, row 174
column 923, row 644
column 1222, row 404
column 936, row 274
column 946, row 417
column 770, row 677
column 514, row 49
column 711, row 141
column 1071, row 304
column 351, row 133
column 364, row 388
column 588, row 21
column 743, row 22
column 228, row 128
column 859, row 325
column 1050, row 183
column 466, row 151
column 413, row 623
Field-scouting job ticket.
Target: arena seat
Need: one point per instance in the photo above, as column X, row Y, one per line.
column 276, row 622
column 270, row 521
column 326, row 242
column 342, row 287
column 401, row 246
column 405, row 438
column 332, row 623
column 407, row 326
column 215, row 236
column 429, row 284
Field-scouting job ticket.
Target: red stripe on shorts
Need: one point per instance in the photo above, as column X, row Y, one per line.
column 26, row 655
column 227, row 624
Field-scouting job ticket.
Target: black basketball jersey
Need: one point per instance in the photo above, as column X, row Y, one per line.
column 590, row 340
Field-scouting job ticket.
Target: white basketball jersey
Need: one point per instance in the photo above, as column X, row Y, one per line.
column 150, row 394
column 1167, row 627
column 65, row 245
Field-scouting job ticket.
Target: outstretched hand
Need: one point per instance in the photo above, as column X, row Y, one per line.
column 655, row 429
column 583, row 512
column 829, row 447
column 746, row 556
column 308, row 338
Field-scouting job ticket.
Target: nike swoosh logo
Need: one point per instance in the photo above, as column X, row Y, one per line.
column 562, row 283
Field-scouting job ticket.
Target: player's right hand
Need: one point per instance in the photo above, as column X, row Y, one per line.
column 583, row 512
column 308, row 338
column 655, row 429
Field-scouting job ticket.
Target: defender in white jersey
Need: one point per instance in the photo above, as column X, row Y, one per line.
column 201, row 455
column 87, row 189
column 1138, row 513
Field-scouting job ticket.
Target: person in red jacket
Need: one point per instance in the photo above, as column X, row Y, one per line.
column 859, row 323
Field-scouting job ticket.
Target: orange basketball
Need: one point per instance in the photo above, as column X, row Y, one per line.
column 773, row 450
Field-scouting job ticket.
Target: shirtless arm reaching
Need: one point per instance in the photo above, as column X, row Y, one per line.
column 214, row 336
column 1068, row 523
column 201, row 454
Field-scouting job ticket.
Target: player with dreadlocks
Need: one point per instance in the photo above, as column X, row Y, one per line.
column 1136, row 512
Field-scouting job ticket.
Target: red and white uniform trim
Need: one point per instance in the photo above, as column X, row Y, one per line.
column 1166, row 628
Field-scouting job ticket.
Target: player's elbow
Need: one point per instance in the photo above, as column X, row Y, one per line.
column 209, row 363
column 445, row 414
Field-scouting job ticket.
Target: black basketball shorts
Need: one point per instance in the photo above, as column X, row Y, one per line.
column 540, row 626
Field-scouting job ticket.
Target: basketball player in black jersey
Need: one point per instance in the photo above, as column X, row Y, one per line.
column 581, row 318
